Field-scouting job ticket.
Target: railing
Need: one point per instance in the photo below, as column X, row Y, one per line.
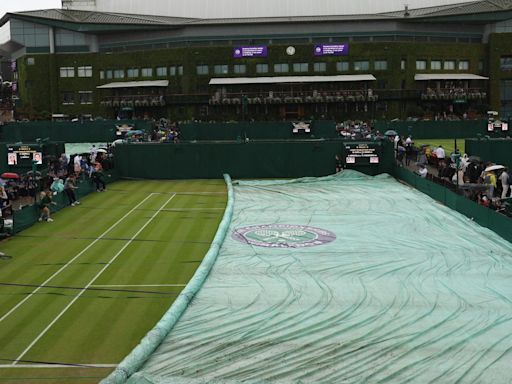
column 454, row 93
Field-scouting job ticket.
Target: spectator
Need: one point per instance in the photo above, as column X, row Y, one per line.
column 44, row 204
column 97, row 177
column 504, row 178
column 69, row 188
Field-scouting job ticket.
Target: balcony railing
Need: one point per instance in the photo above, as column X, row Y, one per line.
column 454, row 94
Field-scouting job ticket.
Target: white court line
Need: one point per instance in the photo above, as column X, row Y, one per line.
column 90, row 283
column 139, row 285
column 4, row 366
column 71, row 261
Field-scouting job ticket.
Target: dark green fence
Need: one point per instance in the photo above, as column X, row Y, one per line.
column 498, row 151
column 486, row 217
column 256, row 131
column 241, row 160
column 435, row 129
column 28, row 215
column 69, row 132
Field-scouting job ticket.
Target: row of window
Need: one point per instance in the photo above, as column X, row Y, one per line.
column 437, row 65
column 84, row 97
column 85, row 71
column 240, row 69
column 175, row 70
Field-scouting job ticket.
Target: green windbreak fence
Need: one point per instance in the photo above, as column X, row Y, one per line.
column 28, row 215
column 70, row 132
column 240, row 160
column 256, row 130
column 498, row 151
column 486, row 217
column 435, row 129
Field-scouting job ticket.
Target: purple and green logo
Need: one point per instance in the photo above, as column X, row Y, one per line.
column 283, row 236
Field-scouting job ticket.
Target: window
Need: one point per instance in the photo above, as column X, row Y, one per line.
column 161, row 71
column 132, row 72
column 85, row 71
column 31, row 60
column 342, row 66
column 102, row 75
column 261, row 68
column 147, row 72
column 109, row 74
column 421, row 65
column 176, row 70
column 403, row 64
column 435, row 65
column 85, row 97
column 320, row 67
column 505, row 63
column 67, row 72
column 281, row 68
column 300, row 67
column 481, row 66
column 463, row 65
column 380, row 65
column 220, row 69
column 202, row 69
column 361, row 65
column 119, row 74
column 239, row 68
column 68, row 98
column 449, row 65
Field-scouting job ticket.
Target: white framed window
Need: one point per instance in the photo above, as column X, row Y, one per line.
column 261, row 68
column 240, row 69
column 84, row 71
column 85, row 97
column 435, row 65
column 202, row 69
column 421, row 65
column 449, row 65
column 102, row 75
column 320, row 67
column 132, row 72
column 109, row 74
column 146, row 72
column 31, row 60
column 161, row 71
column 281, row 68
column 68, row 98
column 342, row 66
column 119, row 74
column 464, row 65
column 300, row 67
column 67, row 72
column 221, row 69
column 363, row 65
column 403, row 64
column 380, row 65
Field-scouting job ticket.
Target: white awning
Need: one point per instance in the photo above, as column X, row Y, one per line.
column 448, row 76
column 289, row 79
column 134, row 84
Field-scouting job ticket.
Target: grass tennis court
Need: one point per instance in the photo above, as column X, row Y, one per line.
column 448, row 144
column 78, row 294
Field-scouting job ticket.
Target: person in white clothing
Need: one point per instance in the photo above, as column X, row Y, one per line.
column 440, row 153
column 504, row 183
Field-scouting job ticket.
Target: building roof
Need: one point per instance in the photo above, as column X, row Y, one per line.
column 289, row 79
column 448, row 76
column 497, row 8
column 135, row 84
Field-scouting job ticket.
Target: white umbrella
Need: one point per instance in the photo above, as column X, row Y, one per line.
column 494, row 168
column 102, row 150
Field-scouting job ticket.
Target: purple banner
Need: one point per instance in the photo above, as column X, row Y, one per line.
column 14, row 87
column 331, row 49
column 13, row 65
column 260, row 51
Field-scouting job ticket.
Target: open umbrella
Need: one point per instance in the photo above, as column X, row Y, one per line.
column 136, row 132
column 494, row 168
column 102, row 150
column 390, row 133
column 474, row 159
column 10, row 175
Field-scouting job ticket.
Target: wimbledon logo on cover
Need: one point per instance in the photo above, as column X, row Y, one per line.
column 283, row 236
